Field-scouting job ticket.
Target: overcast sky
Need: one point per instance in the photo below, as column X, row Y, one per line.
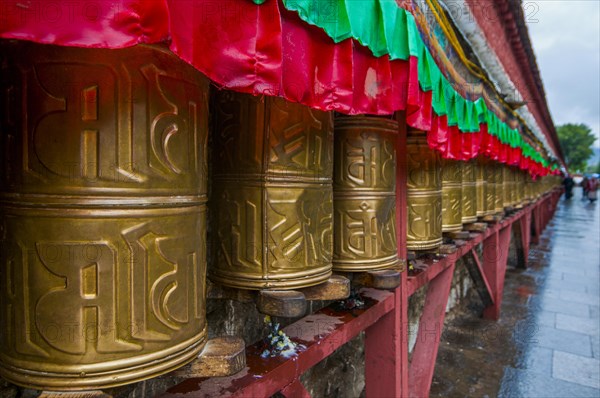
column 566, row 40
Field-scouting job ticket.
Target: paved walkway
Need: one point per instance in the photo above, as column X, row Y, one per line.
column 547, row 341
column 563, row 359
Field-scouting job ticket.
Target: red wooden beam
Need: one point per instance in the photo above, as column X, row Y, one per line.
column 429, row 334
column 320, row 333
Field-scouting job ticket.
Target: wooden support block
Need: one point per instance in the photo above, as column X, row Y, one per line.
column 492, row 219
column 460, row 242
column 458, row 234
column 447, row 249
column 74, row 394
column 222, row 356
column 337, row 287
column 284, row 303
column 475, row 227
column 215, row 291
column 386, row 279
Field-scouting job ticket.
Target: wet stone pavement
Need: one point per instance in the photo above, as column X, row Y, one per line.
column 547, row 341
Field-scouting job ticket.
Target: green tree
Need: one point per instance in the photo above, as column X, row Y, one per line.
column 576, row 141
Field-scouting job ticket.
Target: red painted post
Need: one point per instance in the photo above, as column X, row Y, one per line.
column 429, row 334
column 495, row 255
column 386, row 349
column 525, row 227
column 535, row 212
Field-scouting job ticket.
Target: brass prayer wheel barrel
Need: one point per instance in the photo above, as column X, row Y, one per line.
column 529, row 196
column 451, row 195
column 480, row 188
column 506, row 186
column 424, row 194
column 514, row 190
column 490, row 193
column 271, row 207
column 469, row 192
column 364, row 191
column 103, row 206
column 520, row 181
column 499, row 187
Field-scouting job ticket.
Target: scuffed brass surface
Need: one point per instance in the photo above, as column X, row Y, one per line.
column 103, row 213
column 272, row 200
column 499, row 187
column 507, row 186
column 469, row 192
column 424, row 194
column 490, row 195
column 480, row 188
column 364, row 194
column 451, row 195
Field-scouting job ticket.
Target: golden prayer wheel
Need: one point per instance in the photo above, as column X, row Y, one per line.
column 490, row 193
column 451, row 195
column 480, row 188
column 271, row 206
column 514, row 191
column 424, row 194
column 103, row 206
column 506, row 186
column 499, row 188
column 364, row 192
column 520, row 178
column 469, row 192
column 529, row 188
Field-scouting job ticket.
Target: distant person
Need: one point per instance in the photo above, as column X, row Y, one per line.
column 584, row 184
column 568, row 183
column 592, row 187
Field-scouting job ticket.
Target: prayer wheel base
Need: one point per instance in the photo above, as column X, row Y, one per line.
column 222, row 356
column 80, row 394
column 431, row 245
column 361, row 266
column 451, row 228
column 282, row 281
column 467, row 220
column 180, row 355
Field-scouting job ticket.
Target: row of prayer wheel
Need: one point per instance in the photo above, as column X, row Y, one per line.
column 105, row 206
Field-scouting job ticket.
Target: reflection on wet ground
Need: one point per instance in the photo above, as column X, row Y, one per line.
column 547, row 341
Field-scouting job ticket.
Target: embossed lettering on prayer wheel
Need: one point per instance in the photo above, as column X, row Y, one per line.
column 499, row 188
column 364, row 194
column 424, row 194
column 491, row 187
column 103, row 201
column 507, row 185
column 469, row 192
column 451, row 195
column 480, row 188
column 272, row 198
